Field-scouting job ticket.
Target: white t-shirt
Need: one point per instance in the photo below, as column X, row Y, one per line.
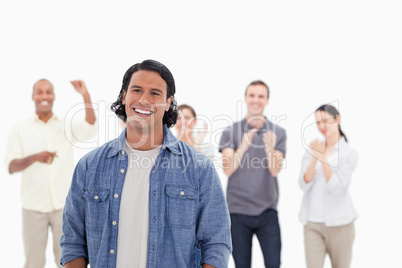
column 132, row 242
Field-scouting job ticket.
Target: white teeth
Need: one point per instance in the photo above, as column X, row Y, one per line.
column 44, row 103
column 142, row 111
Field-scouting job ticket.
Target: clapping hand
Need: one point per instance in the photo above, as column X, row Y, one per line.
column 318, row 149
column 269, row 139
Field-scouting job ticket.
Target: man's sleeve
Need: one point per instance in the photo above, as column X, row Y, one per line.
column 213, row 232
column 226, row 139
column 73, row 242
column 281, row 142
column 79, row 130
column 14, row 148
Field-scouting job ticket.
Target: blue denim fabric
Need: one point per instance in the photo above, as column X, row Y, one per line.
column 187, row 208
column 197, row 258
column 266, row 227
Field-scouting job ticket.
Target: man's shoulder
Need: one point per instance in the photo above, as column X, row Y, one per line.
column 21, row 125
column 279, row 131
column 235, row 126
column 101, row 152
column 189, row 153
column 23, row 121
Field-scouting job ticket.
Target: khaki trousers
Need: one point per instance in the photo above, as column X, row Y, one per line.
column 336, row 241
column 35, row 232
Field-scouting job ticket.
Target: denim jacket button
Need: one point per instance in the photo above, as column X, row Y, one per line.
column 111, row 251
column 116, row 196
column 121, row 170
column 182, row 193
column 96, row 197
column 114, row 222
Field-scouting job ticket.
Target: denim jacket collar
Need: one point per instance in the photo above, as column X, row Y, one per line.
column 169, row 141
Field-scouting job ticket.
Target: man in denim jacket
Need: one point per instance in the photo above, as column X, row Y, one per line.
column 145, row 199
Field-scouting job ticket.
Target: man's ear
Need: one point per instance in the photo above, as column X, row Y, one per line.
column 168, row 101
column 124, row 97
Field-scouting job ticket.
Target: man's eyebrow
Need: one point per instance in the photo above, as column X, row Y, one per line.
column 158, row 90
column 153, row 89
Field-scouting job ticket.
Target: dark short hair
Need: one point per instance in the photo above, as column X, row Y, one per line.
column 170, row 117
column 185, row 106
column 257, row 83
column 40, row 80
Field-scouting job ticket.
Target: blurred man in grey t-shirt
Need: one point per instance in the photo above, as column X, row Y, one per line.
column 253, row 151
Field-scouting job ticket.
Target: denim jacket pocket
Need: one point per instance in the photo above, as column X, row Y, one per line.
column 96, row 209
column 181, row 205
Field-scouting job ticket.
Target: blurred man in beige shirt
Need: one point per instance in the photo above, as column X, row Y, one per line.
column 41, row 147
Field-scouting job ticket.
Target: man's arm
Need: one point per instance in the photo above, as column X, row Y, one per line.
column 231, row 158
column 77, row 263
column 73, row 242
column 22, row 163
column 81, row 88
column 274, row 157
column 213, row 226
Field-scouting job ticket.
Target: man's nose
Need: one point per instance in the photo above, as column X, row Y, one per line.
column 145, row 99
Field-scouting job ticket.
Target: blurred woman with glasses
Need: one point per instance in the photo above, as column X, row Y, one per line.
column 327, row 210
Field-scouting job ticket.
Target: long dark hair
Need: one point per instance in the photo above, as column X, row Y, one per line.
column 334, row 112
column 170, row 117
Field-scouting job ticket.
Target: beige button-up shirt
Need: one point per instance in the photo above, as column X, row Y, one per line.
column 44, row 187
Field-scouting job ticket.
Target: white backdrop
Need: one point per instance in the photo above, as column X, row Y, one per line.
column 308, row 52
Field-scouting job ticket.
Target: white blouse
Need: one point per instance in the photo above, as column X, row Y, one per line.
column 329, row 202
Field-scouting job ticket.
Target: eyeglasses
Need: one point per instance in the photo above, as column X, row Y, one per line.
column 326, row 120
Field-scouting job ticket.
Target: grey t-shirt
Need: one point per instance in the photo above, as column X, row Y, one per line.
column 251, row 188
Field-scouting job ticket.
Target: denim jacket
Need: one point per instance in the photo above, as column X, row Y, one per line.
column 187, row 208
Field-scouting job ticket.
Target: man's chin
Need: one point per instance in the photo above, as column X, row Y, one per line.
column 44, row 111
column 256, row 113
column 138, row 124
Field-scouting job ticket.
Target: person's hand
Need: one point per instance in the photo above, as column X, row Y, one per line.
column 201, row 134
column 318, row 149
column 248, row 136
column 45, row 157
column 269, row 138
column 79, row 86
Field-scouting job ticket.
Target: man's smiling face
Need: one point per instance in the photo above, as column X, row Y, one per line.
column 43, row 96
column 256, row 99
column 146, row 100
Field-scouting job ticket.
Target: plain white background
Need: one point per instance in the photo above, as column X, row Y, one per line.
column 308, row 52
